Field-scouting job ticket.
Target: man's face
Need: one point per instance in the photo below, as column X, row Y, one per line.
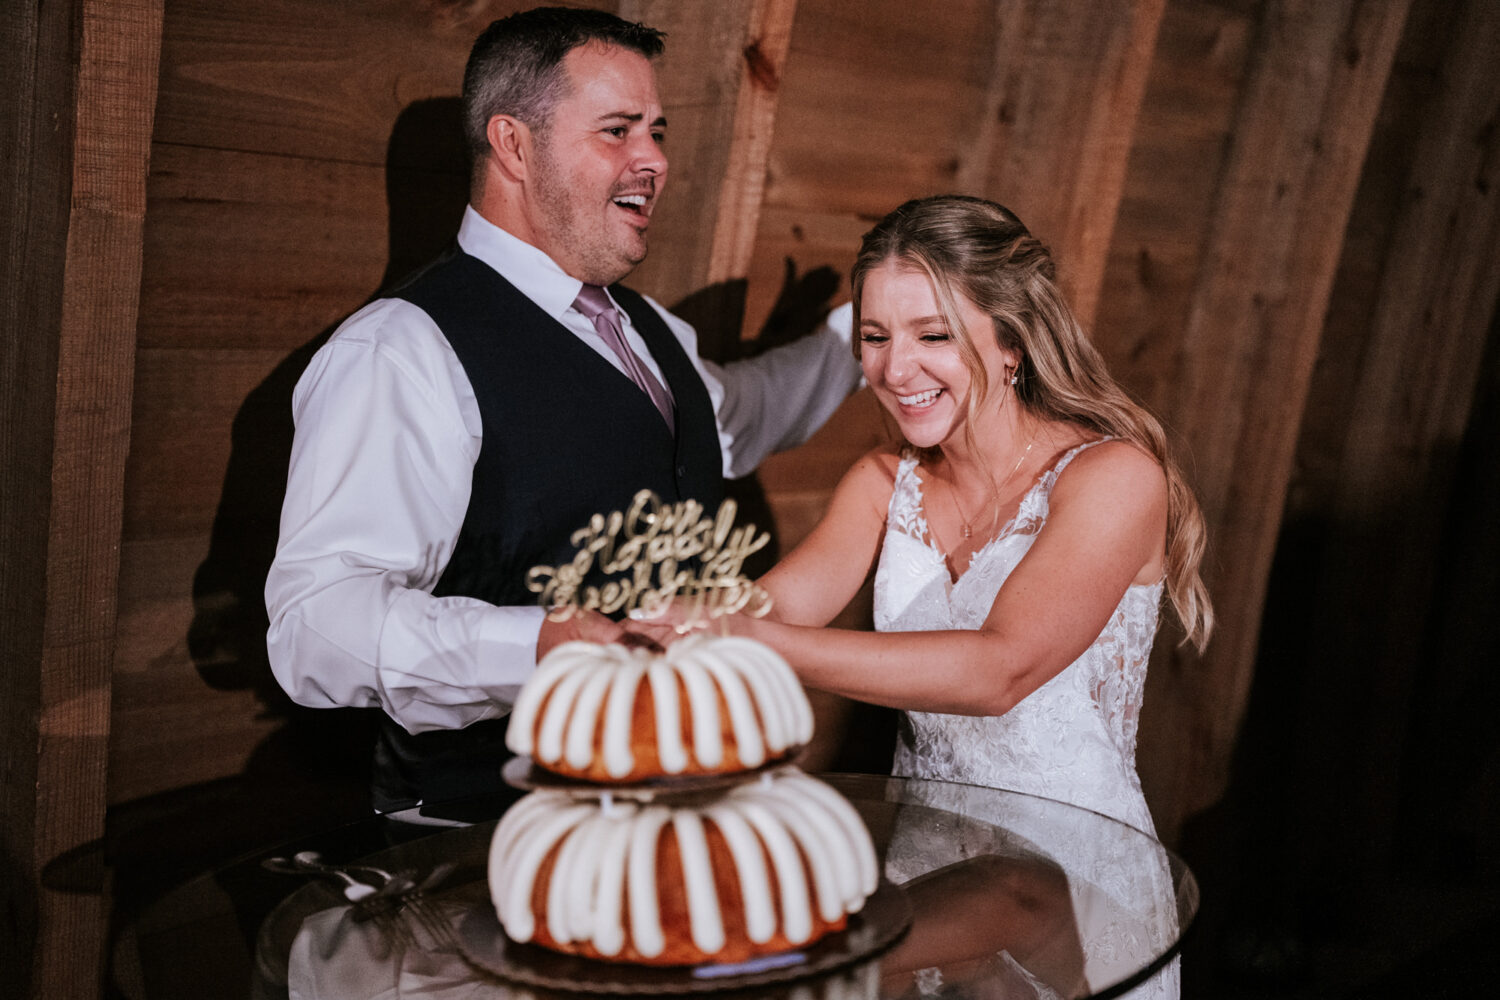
column 599, row 165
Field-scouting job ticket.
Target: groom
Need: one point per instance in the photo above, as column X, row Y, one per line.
column 453, row 435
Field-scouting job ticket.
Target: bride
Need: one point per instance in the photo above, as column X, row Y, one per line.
column 1023, row 536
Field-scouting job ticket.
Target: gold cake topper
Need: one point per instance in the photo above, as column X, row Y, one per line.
column 696, row 558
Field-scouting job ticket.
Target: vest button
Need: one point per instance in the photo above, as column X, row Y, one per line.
column 681, row 471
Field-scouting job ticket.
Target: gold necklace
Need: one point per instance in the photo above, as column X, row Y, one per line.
column 968, row 529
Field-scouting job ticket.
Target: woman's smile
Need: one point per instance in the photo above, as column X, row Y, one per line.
column 911, row 357
column 920, row 400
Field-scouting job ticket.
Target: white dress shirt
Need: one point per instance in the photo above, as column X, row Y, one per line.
column 388, row 431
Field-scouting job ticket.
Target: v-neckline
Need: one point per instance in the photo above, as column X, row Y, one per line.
column 929, row 541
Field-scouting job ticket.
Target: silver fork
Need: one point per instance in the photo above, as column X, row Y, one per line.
column 310, row 863
column 402, row 894
column 381, row 897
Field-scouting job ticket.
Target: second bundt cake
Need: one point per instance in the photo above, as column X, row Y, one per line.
column 773, row 864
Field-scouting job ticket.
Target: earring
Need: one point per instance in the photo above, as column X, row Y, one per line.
column 1013, row 376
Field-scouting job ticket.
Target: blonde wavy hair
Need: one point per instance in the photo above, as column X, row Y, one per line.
column 975, row 248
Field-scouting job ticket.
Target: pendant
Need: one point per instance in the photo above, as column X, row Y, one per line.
column 968, row 532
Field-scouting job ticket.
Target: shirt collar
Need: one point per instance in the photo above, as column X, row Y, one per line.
column 535, row 275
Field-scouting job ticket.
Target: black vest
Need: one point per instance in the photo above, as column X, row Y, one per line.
column 565, row 435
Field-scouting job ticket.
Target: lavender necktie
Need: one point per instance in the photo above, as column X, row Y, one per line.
column 595, row 304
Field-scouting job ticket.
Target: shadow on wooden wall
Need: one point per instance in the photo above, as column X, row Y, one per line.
column 312, row 769
column 426, row 191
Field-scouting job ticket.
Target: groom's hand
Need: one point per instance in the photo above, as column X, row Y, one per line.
column 587, row 626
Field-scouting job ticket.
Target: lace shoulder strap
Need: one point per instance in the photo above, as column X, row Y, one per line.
column 905, row 510
column 1034, row 505
column 1072, row 453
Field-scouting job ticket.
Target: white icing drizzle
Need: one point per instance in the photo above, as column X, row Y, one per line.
column 669, row 745
column 776, row 691
column 707, row 926
column 609, row 922
column 640, row 883
column 835, row 873
column 574, row 859
column 851, row 830
column 606, row 858
column 750, row 866
column 515, row 914
column 523, row 714
column 814, row 835
column 703, row 706
column 584, row 721
column 618, row 760
column 747, row 742
column 549, row 739
column 530, row 810
column 791, row 884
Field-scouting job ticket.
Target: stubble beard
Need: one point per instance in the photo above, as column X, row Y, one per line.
column 592, row 258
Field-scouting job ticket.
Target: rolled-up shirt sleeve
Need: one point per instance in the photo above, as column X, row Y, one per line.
column 377, row 488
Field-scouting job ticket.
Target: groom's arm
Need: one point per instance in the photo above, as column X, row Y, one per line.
column 377, row 487
column 777, row 399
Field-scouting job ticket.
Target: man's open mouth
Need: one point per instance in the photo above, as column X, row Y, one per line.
column 636, row 204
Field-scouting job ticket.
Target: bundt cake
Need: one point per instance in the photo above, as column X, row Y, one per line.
column 707, row 705
column 772, row 864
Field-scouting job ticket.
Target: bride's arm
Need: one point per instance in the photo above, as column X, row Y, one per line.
column 824, row 572
column 1105, row 529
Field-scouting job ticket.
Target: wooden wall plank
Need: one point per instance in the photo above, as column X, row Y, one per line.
column 200, row 395
column 1246, row 355
column 1054, row 136
column 880, row 103
column 37, row 98
column 117, row 75
column 224, row 727
column 805, row 240
column 720, row 80
column 319, row 79
column 1180, row 141
column 83, row 128
column 223, row 266
column 749, row 149
column 1183, row 136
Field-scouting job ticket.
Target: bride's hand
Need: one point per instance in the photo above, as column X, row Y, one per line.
column 657, row 633
column 650, row 634
column 660, row 626
column 667, row 625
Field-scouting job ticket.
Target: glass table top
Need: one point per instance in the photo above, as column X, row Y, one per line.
column 1011, row 896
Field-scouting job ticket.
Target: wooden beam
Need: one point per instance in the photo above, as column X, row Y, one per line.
column 1317, row 74
column 1053, row 138
column 720, row 78
column 37, row 90
column 84, row 150
column 744, row 184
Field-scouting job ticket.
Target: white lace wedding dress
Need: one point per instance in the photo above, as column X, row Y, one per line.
column 1072, row 740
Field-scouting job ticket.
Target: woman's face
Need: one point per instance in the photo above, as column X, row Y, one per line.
column 911, row 358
